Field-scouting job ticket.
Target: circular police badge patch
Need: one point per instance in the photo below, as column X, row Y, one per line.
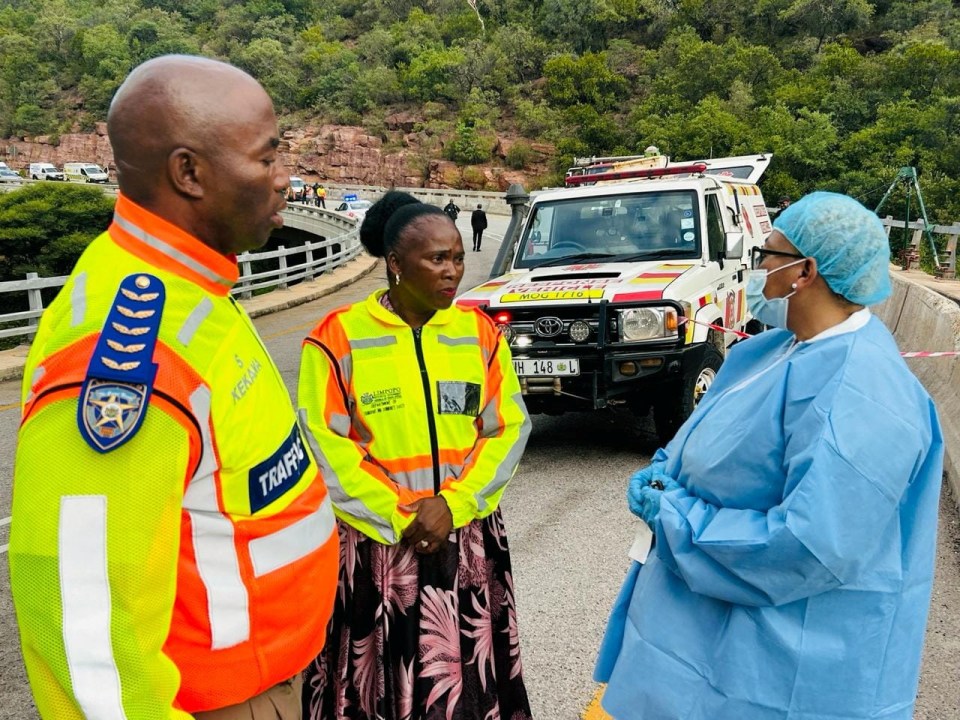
column 366, row 398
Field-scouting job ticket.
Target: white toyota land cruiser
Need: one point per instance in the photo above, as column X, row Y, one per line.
column 624, row 291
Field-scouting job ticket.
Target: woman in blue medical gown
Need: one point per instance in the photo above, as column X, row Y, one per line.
column 795, row 512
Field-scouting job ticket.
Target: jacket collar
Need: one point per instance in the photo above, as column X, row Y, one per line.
column 440, row 317
column 166, row 246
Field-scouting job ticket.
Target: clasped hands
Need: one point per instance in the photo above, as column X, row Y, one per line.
column 432, row 525
column 645, row 490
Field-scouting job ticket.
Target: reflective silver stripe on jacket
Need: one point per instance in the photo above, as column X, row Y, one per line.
column 170, row 251
column 509, row 465
column 454, row 341
column 294, row 542
column 78, row 299
column 344, row 502
column 194, row 321
column 86, row 606
column 228, row 605
column 374, row 342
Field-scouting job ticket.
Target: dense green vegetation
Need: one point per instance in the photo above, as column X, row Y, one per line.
column 45, row 226
column 844, row 92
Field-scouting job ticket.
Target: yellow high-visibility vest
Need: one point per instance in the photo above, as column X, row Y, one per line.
column 395, row 414
column 173, row 546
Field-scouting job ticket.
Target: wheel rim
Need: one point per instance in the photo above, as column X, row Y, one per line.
column 704, row 381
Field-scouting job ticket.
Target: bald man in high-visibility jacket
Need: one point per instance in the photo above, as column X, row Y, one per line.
column 173, row 550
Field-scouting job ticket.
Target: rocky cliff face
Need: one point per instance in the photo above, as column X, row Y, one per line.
column 336, row 154
column 18, row 153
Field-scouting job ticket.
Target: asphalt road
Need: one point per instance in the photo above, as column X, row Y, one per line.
column 569, row 533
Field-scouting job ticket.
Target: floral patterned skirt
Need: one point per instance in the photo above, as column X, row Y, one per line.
column 421, row 637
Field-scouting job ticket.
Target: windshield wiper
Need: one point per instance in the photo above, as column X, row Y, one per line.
column 567, row 259
column 654, row 254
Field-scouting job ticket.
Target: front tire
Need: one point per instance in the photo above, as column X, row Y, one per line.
column 670, row 410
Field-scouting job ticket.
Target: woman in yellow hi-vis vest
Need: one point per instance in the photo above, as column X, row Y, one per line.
column 416, row 418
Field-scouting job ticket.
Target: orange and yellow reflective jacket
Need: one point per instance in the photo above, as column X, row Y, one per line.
column 173, row 546
column 395, row 414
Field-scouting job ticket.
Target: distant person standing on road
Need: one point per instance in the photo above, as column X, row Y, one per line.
column 452, row 210
column 321, row 197
column 478, row 221
column 173, row 550
column 419, row 424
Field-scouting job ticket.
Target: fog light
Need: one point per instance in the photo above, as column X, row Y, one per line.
column 523, row 341
column 508, row 333
column 651, row 362
column 579, row 331
column 628, row 368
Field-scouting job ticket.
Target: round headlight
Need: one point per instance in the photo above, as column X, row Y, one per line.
column 579, row 331
column 508, row 333
column 641, row 324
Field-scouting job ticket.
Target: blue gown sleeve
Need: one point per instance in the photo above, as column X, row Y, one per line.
column 848, row 467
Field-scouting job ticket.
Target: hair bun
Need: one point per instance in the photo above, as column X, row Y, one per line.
column 375, row 221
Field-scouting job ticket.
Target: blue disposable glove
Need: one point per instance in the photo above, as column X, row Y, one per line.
column 641, row 479
column 646, row 488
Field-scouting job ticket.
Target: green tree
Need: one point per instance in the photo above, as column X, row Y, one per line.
column 271, row 63
column 45, row 227
column 431, row 74
column 468, row 146
column 828, row 18
column 521, row 53
column 584, row 80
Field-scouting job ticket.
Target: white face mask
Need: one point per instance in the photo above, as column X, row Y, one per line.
column 769, row 312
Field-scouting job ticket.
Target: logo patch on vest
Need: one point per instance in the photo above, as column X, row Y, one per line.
column 278, row 473
column 121, row 373
column 111, row 411
column 383, row 400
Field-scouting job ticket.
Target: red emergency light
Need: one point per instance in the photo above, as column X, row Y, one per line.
column 693, row 168
column 503, row 317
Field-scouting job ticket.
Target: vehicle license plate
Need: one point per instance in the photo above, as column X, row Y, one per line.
column 552, row 367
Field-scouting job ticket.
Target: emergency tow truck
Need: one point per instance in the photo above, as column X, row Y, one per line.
column 625, row 287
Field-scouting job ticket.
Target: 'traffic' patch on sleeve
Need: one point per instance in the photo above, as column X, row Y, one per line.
column 271, row 478
column 121, row 373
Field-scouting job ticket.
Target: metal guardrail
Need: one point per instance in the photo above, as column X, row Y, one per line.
column 948, row 263
column 319, row 256
column 493, row 202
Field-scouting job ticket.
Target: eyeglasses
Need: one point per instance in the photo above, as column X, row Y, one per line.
column 759, row 254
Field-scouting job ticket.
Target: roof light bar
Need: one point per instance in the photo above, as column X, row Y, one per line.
column 693, row 168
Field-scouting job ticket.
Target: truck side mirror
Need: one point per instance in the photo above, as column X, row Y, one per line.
column 734, row 245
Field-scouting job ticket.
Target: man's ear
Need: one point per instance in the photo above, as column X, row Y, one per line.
column 186, row 176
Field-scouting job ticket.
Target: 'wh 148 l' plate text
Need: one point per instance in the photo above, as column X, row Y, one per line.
column 552, row 367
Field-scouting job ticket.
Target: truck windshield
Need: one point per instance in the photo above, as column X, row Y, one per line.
column 614, row 228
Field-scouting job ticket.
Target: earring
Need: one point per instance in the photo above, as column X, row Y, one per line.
column 398, row 278
column 792, row 287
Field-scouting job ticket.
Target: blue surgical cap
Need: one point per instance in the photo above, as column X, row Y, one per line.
column 847, row 240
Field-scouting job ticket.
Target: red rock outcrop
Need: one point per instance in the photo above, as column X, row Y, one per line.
column 18, row 153
column 337, row 154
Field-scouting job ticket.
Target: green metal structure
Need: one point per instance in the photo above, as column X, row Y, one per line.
column 908, row 176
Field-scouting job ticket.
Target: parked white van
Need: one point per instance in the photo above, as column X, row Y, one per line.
column 85, row 172
column 44, row 171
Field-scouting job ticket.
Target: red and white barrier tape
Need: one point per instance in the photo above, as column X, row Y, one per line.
column 922, row 354
column 740, row 334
